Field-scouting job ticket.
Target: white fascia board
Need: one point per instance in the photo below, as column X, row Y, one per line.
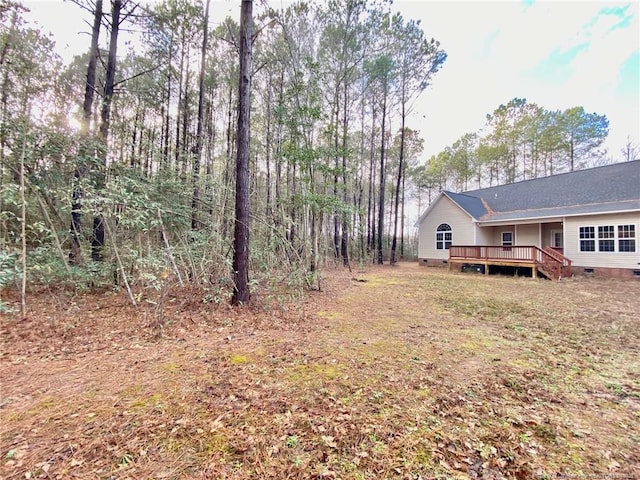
column 429, row 208
column 554, row 218
column 527, row 221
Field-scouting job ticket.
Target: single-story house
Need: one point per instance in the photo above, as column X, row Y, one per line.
column 586, row 221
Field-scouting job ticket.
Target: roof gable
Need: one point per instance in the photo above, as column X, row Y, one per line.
column 451, row 196
column 474, row 206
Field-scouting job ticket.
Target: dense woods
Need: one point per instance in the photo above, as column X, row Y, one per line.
column 132, row 163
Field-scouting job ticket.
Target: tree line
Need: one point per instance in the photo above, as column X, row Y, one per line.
column 132, row 162
column 519, row 141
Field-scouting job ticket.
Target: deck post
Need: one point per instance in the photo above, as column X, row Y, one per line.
column 534, row 271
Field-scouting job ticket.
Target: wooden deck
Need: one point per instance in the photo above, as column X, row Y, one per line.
column 549, row 262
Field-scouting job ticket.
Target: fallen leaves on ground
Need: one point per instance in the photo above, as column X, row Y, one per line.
column 397, row 372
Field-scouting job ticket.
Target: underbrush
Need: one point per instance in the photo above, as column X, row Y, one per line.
column 402, row 373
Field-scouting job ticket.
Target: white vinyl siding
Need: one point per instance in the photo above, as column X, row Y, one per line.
column 527, row 234
column 444, row 211
column 614, row 259
column 484, row 235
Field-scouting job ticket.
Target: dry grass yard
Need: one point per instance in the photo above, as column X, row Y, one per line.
column 390, row 372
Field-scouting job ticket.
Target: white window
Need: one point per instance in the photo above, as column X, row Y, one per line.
column 556, row 239
column 587, row 239
column 606, row 239
column 609, row 238
column 507, row 239
column 626, row 238
column 444, row 236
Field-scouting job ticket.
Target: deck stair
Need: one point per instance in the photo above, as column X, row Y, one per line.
column 554, row 265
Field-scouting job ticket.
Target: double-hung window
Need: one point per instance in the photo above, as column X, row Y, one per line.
column 626, row 238
column 507, row 239
column 587, row 239
column 606, row 238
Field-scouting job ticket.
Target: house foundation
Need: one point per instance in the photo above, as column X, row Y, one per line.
column 604, row 272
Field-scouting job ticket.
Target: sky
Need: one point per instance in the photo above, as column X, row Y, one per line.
column 557, row 54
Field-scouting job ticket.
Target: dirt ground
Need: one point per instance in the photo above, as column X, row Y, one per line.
column 398, row 372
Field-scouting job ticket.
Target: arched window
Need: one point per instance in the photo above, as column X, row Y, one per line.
column 444, row 235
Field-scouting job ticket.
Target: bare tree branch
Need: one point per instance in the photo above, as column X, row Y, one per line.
column 144, row 72
column 257, row 32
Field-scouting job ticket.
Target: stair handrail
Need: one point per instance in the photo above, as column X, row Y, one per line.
column 558, row 256
column 560, row 264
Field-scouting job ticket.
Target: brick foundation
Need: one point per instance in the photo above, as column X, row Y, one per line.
column 602, row 272
column 433, row 262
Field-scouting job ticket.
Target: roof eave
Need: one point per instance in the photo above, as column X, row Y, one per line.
column 549, row 218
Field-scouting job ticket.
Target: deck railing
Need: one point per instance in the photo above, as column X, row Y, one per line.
column 549, row 261
column 560, row 263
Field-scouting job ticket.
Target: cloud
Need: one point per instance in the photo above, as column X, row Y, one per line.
column 556, row 54
column 628, row 79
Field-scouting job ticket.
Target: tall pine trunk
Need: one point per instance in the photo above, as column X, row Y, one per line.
column 166, row 113
column 226, row 187
column 178, row 146
column 241, row 230
column 197, row 150
column 370, row 196
column 185, row 120
column 402, row 203
column 344, row 244
column 394, row 242
column 75, row 254
column 381, row 193
column 98, row 236
column 336, row 166
column 268, row 209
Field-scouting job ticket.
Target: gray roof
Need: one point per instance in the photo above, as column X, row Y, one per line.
column 609, row 188
column 470, row 204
